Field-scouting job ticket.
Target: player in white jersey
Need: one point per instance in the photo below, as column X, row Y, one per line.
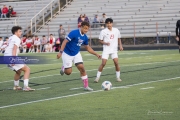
column 12, row 50
column 1, row 43
column 110, row 37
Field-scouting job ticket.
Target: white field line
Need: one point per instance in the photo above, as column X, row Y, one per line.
column 76, row 88
column 96, row 69
column 66, row 96
column 3, row 68
column 146, row 88
column 43, row 88
column 91, row 60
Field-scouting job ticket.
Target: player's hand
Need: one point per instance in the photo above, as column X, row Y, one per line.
column 121, row 48
column 177, row 38
column 108, row 44
column 59, row 55
column 98, row 56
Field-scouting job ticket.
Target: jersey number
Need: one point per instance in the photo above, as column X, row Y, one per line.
column 112, row 36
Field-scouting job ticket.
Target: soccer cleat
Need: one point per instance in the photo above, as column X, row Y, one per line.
column 119, row 80
column 62, row 71
column 26, row 89
column 17, row 88
column 96, row 80
column 88, row 89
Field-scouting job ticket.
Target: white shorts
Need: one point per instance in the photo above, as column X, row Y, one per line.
column 67, row 59
column 16, row 67
column 106, row 56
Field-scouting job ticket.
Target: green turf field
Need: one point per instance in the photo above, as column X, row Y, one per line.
column 150, row 90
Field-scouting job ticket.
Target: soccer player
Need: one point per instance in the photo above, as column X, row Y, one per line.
column 12, row 50
column 29, row 42
column 23, row 43
column 70, row 53
column 110, row 37
column 178, row 33
column 4, row 45
column 37, row 43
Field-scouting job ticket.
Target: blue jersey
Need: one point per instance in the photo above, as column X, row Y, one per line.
column 76, row 39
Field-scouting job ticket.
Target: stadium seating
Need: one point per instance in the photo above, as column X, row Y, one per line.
column 144, row 14
column 25, row 11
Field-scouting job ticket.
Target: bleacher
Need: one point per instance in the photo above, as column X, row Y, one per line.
column 147, row 17
column 25, row 11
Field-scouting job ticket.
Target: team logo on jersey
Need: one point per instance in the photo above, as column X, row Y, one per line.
column 80, row 42
column 112, row 36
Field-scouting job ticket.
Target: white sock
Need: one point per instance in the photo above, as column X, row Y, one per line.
column 24, row 51
column 26, row 81
column 62, row 68
column 84, row 77
column 98, row 74
column 118, row 74
column 16, row 83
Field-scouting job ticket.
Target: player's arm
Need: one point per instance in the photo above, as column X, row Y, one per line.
column 90, row 50
column 120, row 44
column 14, row 50
column 104, row 43
column 62, row 48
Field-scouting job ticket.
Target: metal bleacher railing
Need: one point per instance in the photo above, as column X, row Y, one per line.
column 46, row 14
column 23, row 17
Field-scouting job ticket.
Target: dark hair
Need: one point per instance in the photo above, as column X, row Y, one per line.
column 43, row 36
column 29, row 36
column 85, row 24
column 24, row 36
column 15, row 29
column 109, row 20
column 0, row 37
column 6, row 38
column 60, row 25
column 51, row 34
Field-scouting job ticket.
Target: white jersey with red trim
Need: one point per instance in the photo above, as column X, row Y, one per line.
column 13, row 40
column 112, row 37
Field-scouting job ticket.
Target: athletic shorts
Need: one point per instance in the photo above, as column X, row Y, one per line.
column 106, row 56
column 16, row 67
column 67, row 59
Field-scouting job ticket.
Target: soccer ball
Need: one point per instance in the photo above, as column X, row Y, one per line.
column 106, row 85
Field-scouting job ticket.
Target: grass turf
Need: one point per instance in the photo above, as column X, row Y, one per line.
column 158, row 103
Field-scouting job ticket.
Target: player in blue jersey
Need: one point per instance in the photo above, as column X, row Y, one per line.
column 70, row 52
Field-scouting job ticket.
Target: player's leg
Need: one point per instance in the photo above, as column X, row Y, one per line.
column 100, row 69
column 114, row 56
column 67, row 64
column 26, row 71
column 79, row 64
column 16, row 80
column 19, row 68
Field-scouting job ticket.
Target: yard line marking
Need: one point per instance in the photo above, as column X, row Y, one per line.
column 119, row 87
column 76, row 88
column 99, row 60
column 146, row 88
column 168, row 58
column 3, row 68
column 90, row 59
column 43, row 88
column 128, row 58
column 96, row 69
column 66, row 96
